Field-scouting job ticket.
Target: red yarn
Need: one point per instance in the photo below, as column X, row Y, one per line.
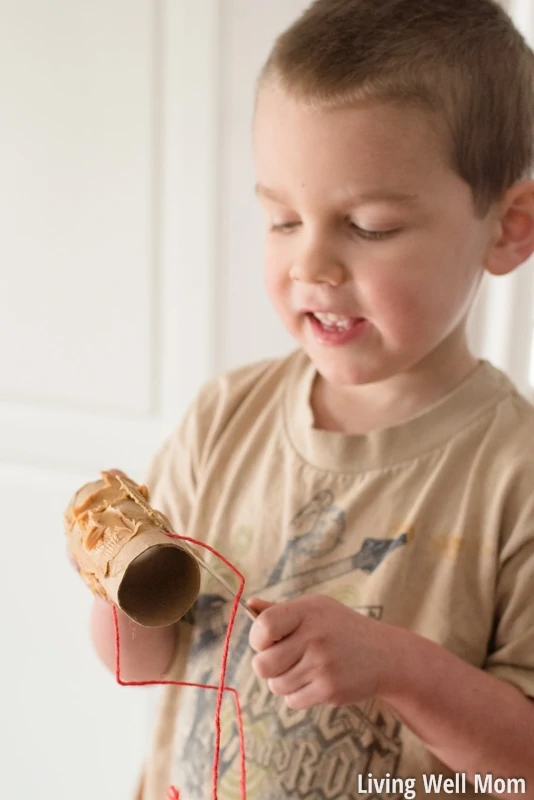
column 173, row 793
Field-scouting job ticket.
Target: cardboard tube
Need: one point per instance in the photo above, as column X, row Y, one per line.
column 124, row 554
column 153, row 580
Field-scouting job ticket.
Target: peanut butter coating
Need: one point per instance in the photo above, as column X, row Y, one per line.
column 121, row 546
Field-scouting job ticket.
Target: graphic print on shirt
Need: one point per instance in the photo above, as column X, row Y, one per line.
column 315, row 754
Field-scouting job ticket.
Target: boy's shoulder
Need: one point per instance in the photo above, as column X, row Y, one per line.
column 502, row 457
column 514, row 420
column 225, row 407
column 264, row 379
column 502, row 422
column 245, row 393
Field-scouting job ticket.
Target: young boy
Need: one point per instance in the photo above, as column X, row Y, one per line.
column 376, row 487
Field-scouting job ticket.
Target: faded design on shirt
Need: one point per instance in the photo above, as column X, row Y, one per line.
column 315, row 754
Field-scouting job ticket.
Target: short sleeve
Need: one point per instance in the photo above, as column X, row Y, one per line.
column 511, row 655
column 173, row 475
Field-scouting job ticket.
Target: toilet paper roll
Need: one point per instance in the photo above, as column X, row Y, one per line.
column 121, row 547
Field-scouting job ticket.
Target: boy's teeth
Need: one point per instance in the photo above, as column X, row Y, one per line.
column 334, row 321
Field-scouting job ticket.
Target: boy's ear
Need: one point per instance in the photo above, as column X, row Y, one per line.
column 513, row 243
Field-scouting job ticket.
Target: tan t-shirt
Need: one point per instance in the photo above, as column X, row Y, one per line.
column 428, row 525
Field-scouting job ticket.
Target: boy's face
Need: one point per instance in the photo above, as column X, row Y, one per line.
column 367, row 221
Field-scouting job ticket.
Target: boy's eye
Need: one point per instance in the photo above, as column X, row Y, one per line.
column 364, row 233
column 284, row 227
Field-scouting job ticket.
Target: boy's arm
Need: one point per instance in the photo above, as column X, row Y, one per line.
column 470, row 720
column 145, row 653
column 315, row 651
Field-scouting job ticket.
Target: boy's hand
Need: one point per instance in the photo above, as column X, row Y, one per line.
column 316, row 651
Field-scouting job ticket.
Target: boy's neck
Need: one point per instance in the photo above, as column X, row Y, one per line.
column 362, row 409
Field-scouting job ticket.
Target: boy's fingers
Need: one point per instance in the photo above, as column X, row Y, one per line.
column 258, row 605
column 117, row 472
column 274, row 624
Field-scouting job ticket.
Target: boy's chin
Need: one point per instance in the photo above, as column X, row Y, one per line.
column 340, row 372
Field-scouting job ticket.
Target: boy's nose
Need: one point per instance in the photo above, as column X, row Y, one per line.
column 317, row 268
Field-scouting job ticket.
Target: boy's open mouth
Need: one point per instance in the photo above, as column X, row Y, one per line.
column 335, row 329
column 336, row 322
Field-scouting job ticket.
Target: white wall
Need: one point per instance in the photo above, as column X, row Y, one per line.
column 80, row 383
column 247, row 326
column 130, row 271
column 106, row 254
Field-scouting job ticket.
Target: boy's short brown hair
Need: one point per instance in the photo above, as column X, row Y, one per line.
column 462, row 59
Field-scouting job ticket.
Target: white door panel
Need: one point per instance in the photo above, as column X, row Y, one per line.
column 77, row 231
column 108, row 208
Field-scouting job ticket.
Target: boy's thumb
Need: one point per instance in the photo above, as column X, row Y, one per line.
column 258, row 605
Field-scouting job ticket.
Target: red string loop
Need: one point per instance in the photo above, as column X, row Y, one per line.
column 172, row 792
